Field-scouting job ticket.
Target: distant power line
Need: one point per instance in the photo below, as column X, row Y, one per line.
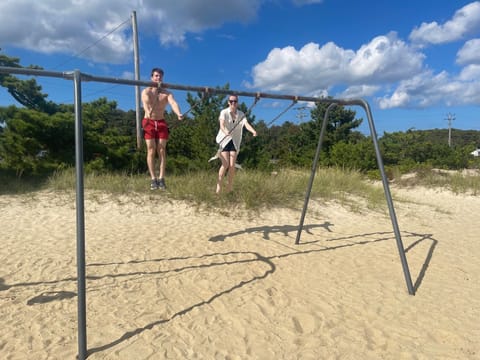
column 76, row 55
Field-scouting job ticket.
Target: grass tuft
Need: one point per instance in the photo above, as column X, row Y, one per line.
column 253, row 190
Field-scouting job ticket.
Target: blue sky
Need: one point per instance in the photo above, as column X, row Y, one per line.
column 415, row 62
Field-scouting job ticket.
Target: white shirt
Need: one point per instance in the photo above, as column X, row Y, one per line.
column 233, row 126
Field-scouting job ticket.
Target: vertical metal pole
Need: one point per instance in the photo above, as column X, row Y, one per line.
column 388, row 196
column 82, row 312
column 312, row 175
column 137, row 77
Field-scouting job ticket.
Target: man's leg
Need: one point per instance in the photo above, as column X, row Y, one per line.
column 162, row 154
column 151, row 151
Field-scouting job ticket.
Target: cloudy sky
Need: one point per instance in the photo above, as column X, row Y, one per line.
column 417, row 62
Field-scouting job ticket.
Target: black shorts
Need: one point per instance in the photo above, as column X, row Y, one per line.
column 229, row 147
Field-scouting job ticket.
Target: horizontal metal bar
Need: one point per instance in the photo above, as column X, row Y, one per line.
column 205, row 89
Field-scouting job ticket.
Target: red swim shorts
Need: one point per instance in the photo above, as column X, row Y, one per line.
column 154, row 129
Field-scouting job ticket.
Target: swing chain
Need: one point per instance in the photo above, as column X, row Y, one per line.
column 205, row 95
column 295, row 100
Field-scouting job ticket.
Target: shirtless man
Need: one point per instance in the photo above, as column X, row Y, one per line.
column 155, row 127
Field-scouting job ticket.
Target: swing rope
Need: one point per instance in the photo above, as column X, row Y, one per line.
column 257, row 98
column 205, row 95
column 283, row 112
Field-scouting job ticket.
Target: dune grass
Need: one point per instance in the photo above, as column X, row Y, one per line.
column 458, row 182
column 253, row 190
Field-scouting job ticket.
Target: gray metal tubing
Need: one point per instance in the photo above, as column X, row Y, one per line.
column 204, row 89
column 312, row 175
column 388, row 196
column 77, row 77
column 81, row 283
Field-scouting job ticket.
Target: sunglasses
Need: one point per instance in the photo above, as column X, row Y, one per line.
column 232, row 101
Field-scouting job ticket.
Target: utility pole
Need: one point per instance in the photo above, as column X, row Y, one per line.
column 301, row 112
column 137, row 77
column 450, row 118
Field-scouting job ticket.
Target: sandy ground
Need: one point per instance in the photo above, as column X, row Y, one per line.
column 167, row 281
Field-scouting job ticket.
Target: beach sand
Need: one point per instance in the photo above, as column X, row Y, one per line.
column 169, row 281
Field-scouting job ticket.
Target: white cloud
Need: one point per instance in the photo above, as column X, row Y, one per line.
column 428, row 89
column 386, row 68
column 358, row 91
column 313, row 68
column 73, row 26
column 128, row 75
column 66, row 27
column 306, row 70
column 385, row 59
column 399, row 98
column 306, row 2
column 413, row 90
column 469, row 53
column 464, row 22
column 171, row 20
column 470, row 73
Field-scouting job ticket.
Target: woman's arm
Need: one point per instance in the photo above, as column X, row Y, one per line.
column 250, row 128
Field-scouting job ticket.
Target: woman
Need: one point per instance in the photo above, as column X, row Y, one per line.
column 229, row 137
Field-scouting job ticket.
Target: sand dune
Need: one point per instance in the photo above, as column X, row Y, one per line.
column 167, row 281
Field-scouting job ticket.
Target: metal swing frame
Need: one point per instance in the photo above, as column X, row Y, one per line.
column 77, row 77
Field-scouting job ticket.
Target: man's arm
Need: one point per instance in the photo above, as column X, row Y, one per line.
column 147, row 103
column 175, row 107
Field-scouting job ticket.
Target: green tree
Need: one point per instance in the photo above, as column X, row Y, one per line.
column 358, row 155
column 26, row 92
column 109, row 136
column 292, row 145
column 35, row 142
column 340, row 126
column 296, row 144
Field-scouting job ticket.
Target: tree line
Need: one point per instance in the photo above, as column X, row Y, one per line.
column 38, row 138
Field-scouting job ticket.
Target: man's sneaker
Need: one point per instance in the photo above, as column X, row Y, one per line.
column 153, row 185
column 161, row 184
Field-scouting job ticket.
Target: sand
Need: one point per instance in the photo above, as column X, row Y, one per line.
column 169, row 281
